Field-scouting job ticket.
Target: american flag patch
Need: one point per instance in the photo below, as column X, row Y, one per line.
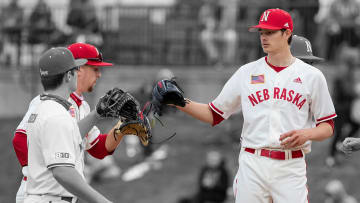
column 257, row 79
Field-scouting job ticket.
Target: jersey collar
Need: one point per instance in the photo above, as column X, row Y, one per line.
column 276, row 68
column 56, row 98
column 78, row 99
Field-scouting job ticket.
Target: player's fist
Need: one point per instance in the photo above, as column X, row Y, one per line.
column 294, row 138
column 350, row 144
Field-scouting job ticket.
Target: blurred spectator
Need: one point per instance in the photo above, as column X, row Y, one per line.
column 343, row 18
column 213, row 179
column 218, row 30
column 84, row 22
column 344, row 96
column 320, row 18
column 185, row 9
column 307, row 10
column 40, row 24
column 336, row 193
column 324, row 10
column 355, row 111
column 11, row 21
column 40, row 29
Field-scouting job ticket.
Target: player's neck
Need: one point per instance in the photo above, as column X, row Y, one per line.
column 62, row 91
column 79, row 92
column 281, row 59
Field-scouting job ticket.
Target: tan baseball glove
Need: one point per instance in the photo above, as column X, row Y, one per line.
column 139, row 127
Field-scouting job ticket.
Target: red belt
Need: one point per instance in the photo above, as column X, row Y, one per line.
column 274, row 154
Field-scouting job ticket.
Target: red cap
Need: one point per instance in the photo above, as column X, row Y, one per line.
column 89, row 52
column 274, row 19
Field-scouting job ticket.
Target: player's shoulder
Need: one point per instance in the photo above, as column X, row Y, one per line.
column 308, row 69
column 51, row 108
column 251, row 66
column 84, row 102
column 51, row 112
column 35, row 101
column 31, row 109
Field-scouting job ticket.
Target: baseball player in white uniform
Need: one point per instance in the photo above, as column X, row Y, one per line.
column 286, row 105
column 98, row 145
column 98, row 163
column 55, row 146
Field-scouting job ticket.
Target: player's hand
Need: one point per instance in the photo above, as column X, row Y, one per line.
column 350, row 144
column 294, row 138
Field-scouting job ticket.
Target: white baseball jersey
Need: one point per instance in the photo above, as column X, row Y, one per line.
column 21, row 194
column 79, row 112
column 32, row 107
column 76, row 111
column 53, row 140
column 275, row 102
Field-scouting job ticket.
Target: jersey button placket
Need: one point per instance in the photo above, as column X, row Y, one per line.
column 274, row 111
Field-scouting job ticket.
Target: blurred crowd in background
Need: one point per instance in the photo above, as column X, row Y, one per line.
column 201, row 32
column 210, row 33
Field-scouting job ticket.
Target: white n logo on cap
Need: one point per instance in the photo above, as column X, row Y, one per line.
column 265, row 16
column 308, row 46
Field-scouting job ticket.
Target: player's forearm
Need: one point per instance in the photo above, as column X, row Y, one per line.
column 112, row 141
column 87, row 123
column 71, row 180
column 321, row 132
column 199, row 111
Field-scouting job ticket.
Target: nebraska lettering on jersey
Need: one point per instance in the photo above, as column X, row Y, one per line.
column 279, row 94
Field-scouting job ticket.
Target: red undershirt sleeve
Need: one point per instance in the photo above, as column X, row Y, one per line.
column 330, row 122
column 216, row 117
column 20, row 147
column 99, row 150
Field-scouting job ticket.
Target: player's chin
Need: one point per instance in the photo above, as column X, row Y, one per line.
column 265, row 50
column 91, row 88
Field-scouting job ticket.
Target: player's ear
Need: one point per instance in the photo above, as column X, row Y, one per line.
column 68, row 76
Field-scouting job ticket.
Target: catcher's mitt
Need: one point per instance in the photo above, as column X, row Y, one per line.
column 140, row 127
column 118, row 104
column 167, row 92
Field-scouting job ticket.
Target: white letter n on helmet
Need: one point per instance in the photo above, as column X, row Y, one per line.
column 308, row 46
column 265, row 16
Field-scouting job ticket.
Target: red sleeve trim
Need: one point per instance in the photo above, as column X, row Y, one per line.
column 216, row 117
column 21, row 131
column 20, row 147
column 216, row 109
column 330, row 122
column 99, row 150
column 326, row 118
